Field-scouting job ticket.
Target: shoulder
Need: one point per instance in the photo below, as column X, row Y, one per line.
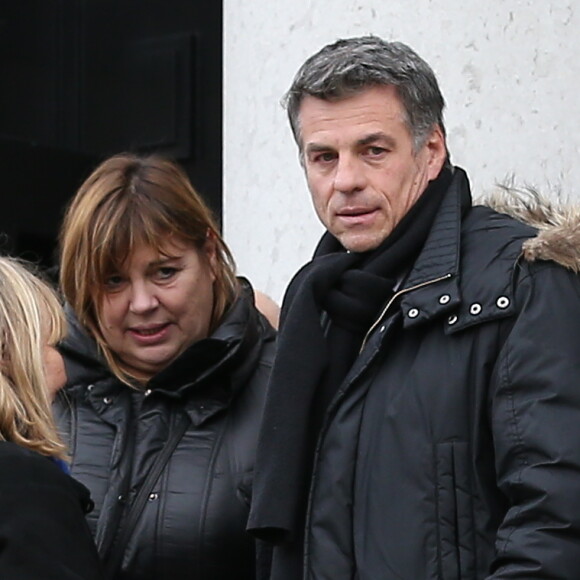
column 267, row 307
column 254, row 313
column 492, row 241
column 261, row 330
column 28, row 473
column 42, row 506
column 17, row 462
column 498, row 273
column 17, row 459
column 245, row 338
column 257, row 347
column 523, row 227
column 491, row 247
column 556, row 224
column 486, row 233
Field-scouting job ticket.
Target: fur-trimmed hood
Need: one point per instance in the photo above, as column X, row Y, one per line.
column 557, row 222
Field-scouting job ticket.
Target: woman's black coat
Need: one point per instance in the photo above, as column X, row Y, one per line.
column 191, row 522
column 43, row 531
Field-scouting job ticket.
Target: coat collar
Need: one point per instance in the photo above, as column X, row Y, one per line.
column 464, row 272
column 206, row 376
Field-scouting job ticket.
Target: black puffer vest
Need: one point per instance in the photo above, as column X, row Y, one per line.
column 181, row 516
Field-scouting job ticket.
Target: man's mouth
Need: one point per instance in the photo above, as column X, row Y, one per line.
column 356, row 215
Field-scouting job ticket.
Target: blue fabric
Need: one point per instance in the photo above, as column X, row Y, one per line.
column 62, row 464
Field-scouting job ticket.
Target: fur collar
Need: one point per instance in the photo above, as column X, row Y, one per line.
column 557, row 222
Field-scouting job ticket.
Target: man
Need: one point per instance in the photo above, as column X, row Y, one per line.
column 424, row 412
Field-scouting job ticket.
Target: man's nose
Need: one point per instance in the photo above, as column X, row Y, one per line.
column 143, row 298
column 350, row 175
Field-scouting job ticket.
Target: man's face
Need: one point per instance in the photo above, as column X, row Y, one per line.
column 360, row 165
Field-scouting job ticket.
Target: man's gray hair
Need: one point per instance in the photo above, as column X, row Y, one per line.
column 351, row 65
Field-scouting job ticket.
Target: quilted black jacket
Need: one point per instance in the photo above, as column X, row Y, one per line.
column 190, row 523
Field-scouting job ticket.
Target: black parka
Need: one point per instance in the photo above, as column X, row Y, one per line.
column 452, row 449
column 190, row 524
column 43, row 532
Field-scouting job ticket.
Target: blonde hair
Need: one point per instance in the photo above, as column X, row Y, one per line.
column 129, row 200
column 31, row 318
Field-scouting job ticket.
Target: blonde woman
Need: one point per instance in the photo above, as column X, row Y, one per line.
column 43, row 532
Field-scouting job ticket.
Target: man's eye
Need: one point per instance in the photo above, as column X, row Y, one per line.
column 325, row 157
column 376, row 151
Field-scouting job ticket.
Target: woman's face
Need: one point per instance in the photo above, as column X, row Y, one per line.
column 158, row 305
column 54, row 370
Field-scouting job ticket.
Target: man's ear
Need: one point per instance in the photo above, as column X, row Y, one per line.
column 436, row 148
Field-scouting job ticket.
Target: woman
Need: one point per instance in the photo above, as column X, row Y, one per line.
column 167, row 363
column 43, row 532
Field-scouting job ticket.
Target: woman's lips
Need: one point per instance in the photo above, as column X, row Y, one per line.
column 150, row 334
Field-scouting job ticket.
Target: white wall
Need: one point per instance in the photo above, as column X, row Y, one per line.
column 509, row 70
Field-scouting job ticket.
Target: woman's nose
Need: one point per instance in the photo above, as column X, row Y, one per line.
column 143, row 298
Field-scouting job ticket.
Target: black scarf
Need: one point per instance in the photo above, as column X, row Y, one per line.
column 350, row 288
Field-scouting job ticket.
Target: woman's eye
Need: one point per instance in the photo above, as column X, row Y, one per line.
column 113, row 282
column 166, row 273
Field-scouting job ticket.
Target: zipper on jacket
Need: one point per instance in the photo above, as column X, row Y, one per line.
column 330, row 411
column 114, row 561
column 393, row 298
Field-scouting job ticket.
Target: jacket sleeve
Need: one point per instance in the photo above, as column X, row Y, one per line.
column 43, row 532
column 535, row 417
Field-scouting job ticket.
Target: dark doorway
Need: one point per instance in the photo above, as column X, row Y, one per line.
column 84, row 79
